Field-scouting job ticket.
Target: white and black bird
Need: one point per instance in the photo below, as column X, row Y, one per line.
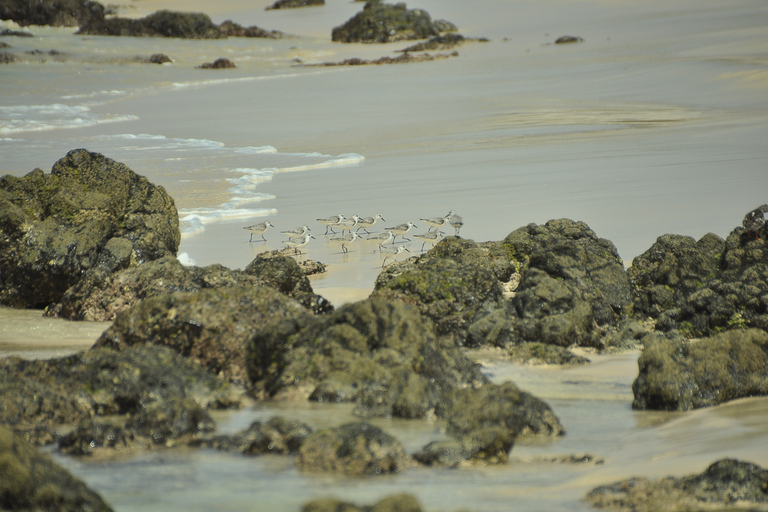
column 259, row 229
column 456, row 221
column 392, row 252
column 368, row 222
column 347, row 224
column 436, row 223
column 430, row 236
column 402, row 229
column 298, row 242
column 345, row 239
column 330, row 222
column 383, row 238
column 296, row 232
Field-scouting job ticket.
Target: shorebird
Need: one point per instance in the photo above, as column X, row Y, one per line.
column 392, row 252
column 368, row 222
column 331, row 221
column 456, row 221
column 259, row 229
column 429, row 236
column 296, row 232
column 347, row 224
column 402, row 229
column 345, row 239
column 384, row 238
column 436, row 223
column 297, row 242
column 755, row 220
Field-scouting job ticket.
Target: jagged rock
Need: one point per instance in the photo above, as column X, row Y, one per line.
column 291, row 4
column 385, row 23
column 355, row 449
column 220, row 63
column 171, row 419
column 89, row 214
column 57, row 13
column 232, row 29
column 164, row 23
column 380, row 354
column 442, row 42
column 728, row 484
column 211, row 326
column 277, row 435
column 36, row 397
column 31, row 481
column 572, row 286
column 678, row 375
column 91, row 435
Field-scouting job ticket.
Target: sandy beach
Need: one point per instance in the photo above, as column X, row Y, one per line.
column 654, row 124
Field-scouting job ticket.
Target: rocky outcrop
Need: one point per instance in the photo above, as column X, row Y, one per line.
column 678, row 375
column 57, row 13
column 405, row 58
column 573, row 288
column 89, row 214
column 454, row 284
column 163, row 395
column 397, row 503
column 277, row 436
column 702, row 287
column 232, row 29
column 379, row 22
column 535, row 353
column 354, row 449
column 291, row 4
column 31, row 481
column 569, row 40
column 380, row 354
column 727, row 484
column 221, row 63
column 211, row 327
column 442, row 42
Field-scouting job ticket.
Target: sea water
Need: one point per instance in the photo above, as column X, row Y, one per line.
column 654, row 124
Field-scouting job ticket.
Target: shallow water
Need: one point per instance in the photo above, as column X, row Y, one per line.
column 655, row 124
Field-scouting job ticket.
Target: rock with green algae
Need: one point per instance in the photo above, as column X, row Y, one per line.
column 211, row 327
column 355, row 449
column 703, row 286
column 676, row 374
column 535, row 353
column 292, row 4
column 396, row 503
column 163, row 23
column 31, row 481
column 278, row 436
column 727, row 484
column 36, row 397
column 89, row 214
column 56, row 13
column 380, row 22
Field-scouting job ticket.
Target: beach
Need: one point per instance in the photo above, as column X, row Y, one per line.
column 654, row 124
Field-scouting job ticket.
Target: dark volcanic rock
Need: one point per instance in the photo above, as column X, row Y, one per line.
column 441, row 42
column 354, row 448
column 405, row 58
column 212, row 326
column 89, row 214
column 380, row 354
column 277, row 435
column 727, row 484
column 384, row 23
column 171, row 419
column 232, row 29
column 158, row 58
column 91, row 435
column 188, row 25
column 220, row 63
column 36, row 397
column 31, row 481
column 702, row 287
column 397, row 503
column 568, row 39
column 572, row 287
column 455, row 284
column 14, row 33
column 541, row 353
column 676, row 374
column 57, row 13
column 290, row 4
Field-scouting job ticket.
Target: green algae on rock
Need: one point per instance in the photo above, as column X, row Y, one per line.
column 379, row 22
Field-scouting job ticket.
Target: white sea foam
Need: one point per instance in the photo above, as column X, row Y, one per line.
column 35, row 118
column 331, row 161
column 185, row 259
column 194, row 220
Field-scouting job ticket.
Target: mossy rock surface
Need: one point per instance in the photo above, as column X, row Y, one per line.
column 277, row 436
column 90, row 214
column 56, row 13
column 164, row 23
column 380, row 22
column 396, row 503
column 677, row 374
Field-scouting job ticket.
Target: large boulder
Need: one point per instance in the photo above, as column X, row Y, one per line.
column 354, row 448
column 727, row 484
column 89, row 214
column 163, row 395
column 573, row 287
column 163, row 23
column 456, row 284
column 380, row 354
column 379, row 22
column 678, row 375
column 212, row 326
column 31, row 481
column 57, row 13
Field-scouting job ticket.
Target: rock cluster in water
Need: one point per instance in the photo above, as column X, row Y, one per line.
column 380, row 22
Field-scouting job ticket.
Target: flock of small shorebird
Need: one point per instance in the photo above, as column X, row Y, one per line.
column 350, row 231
